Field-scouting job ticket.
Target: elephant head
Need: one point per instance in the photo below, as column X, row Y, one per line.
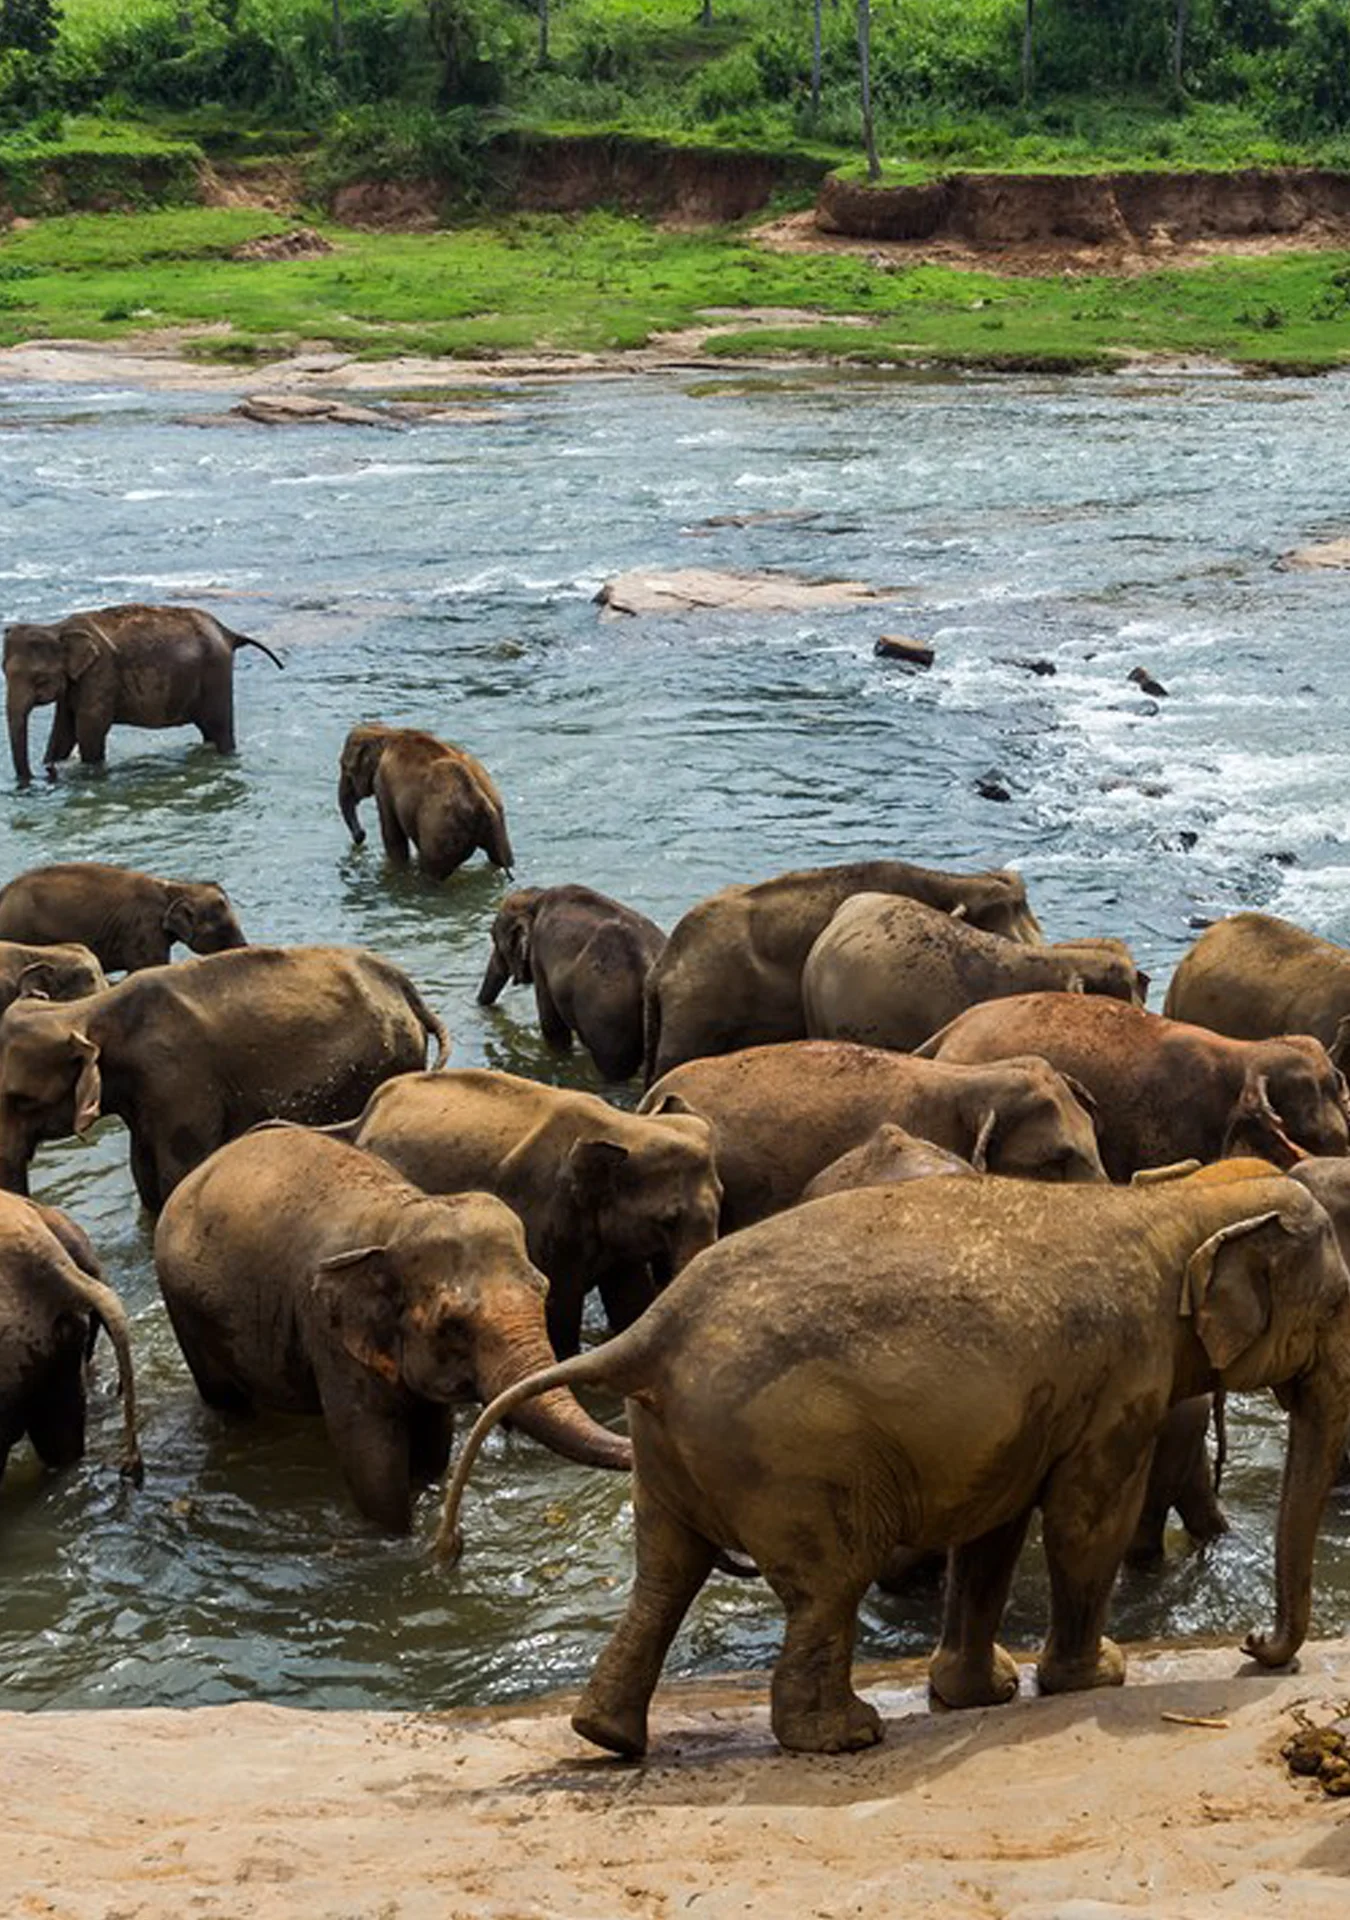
column 1267, row 1300
column 60, row 972
column 50, row 1086
column 510, row 956
column 997, row 902
column 199, row 914
column 1292, row 1102
column 1027, row 1120
column 449, row 1308
column 652, row 1196
column 42, row 665
column 356, row 773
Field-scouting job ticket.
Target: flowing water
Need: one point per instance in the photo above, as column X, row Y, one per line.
column 443, row 577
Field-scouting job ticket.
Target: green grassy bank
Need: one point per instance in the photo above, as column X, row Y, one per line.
column 605, row 282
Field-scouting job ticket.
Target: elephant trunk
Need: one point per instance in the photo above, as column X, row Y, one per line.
column 14, row 1163
column 515, row 1351
column 96, row 1297
column 347, row 799
column 17, row 709
column 1319, row 1415
column 496, row 977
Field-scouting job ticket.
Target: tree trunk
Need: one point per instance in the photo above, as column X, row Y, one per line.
column 339, row 35
column 705, row 19
column 1179, row 45
column 543, row 33
column 865, row 78
column 1027, row 27
column 817, row 56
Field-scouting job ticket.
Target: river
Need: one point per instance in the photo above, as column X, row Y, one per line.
column 443, row 577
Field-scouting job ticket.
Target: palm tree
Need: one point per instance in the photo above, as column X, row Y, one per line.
column 865, row 76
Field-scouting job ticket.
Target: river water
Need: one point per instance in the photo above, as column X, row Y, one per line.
column 443, row 577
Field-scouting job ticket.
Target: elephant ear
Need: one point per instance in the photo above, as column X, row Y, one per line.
column 1080, row 1093
column 594, row 1166
column 89, row 1084
column 518, row 951
column 180, row 919
column 670, row 1104
column 1158, row 1176
column 37, row 981
column 1255, row 1127
column 360, row 1302
column 1226, row 1291
column 979, row 1152
column 81, row 646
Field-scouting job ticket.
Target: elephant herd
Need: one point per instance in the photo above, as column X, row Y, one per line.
column 923, row 1224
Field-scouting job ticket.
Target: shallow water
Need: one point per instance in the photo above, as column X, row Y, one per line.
column 443, row 577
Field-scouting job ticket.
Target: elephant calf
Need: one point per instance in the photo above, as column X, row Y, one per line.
column 53, row 1299
column 1164, row 1090
column 608, row 1200
column 436, row 797
column 1253, row 976
column 587, row 958
column 190, row 1056
column 890, row 971
column 301, row 1274
column 47, row 972
column 932, row 1363
column 129, row 919
column 134, row 665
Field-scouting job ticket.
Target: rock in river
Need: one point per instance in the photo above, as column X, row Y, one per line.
column 698, row 589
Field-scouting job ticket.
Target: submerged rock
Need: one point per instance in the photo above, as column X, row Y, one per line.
column 1329, row 555
column 307, row 410
column 899, row 646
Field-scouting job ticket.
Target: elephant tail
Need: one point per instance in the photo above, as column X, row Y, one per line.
column 622, row 1364
column 238, row 640
column 434, row 1028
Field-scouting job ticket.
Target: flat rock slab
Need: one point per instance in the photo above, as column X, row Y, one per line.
column 699, row 589
column 307, row 410
column 1328, row 555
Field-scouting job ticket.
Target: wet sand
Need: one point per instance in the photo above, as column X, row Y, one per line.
column 1077, row 1808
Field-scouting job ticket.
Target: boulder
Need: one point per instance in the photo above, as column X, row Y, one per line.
column 700, row 589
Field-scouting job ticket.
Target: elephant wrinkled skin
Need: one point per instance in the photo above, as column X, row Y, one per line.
column 301, row 1274
column 730, row 975
column 129, row 919
column 190, row 1056
column 1253, row 976
column 428, row 794
column 134, row 666
column 930, row 1364
column 608, row 1200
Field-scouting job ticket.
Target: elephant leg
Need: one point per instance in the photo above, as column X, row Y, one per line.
column 431, row 1433
column 672, row 1564
column 557, row 1034
column 61, row 740
column 626, row 1292
column 215, row 722
column 214, row 1380
column 396, row 842
column 1087, row 1527
column 91, row 737
column 969, row 1668
column 562, row 1314
column 813, row 1706
column 56, row 1422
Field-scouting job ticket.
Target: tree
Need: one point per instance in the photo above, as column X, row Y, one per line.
column 339, row 35
column 29, row 26
column 1027, row 23
column 817, row 55
column 543, row 33
column 865, row 78
column 1178, row 45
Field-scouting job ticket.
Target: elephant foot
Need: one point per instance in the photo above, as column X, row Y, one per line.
column 958, row 1681
column 618, row 1729
column 845, row 1729
column 1076, row 1676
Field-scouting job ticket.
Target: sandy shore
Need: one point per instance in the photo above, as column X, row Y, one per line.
column 1078, row 1808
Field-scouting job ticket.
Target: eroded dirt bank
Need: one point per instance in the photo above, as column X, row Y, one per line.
column 1119, row 1801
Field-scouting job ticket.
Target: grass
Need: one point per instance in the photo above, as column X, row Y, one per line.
column 603, row 282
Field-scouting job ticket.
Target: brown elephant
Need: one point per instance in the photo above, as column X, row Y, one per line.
column 191, row 1056
column 890, row 971
column 730, row 974
column 303, row 1275
column 587, row 958
column 431, row 795
column 53, row 1300
column 1254, row 976
column 134, row 666
column 890, row 1156
column 47, row 973
column 608, row 1200
column 1164, row 1090
column 129, row 919
column 781, row 1114
column 932, row 1363
column 1329, row 1183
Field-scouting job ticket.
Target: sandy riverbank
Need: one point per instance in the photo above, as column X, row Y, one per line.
column 1080, row 1808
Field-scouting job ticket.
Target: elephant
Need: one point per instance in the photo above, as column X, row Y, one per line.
column 1254, row 976
column 1329, row 1183
column 608, row 1200
column 129, row 919
column 190, row 1056
column 890, row 971
column 63, row 972
column 303, row 1275
column 931, row 1363
column 730, row 975
column 587, row 958
column 431, row 794
column 890, row 1156
column 135, row 666
column 53, row 1300
column 781, row 1114
column 1164, row 1090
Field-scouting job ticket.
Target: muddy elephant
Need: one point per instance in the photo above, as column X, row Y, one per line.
column 890, row 1156
column 134, row 666
column 781, row 1114
column 191, row 1056
column 303, row 1275
column 429, row 795
column 890, row 971
column 129, row 919
column 932, row 1363
column 1164, row 1090
column 608, row 1200
column 1329, row 1183
column 730, row 975
column 1254, row 976
column 47, row 973
column 587, row 958
column 53, row 1300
